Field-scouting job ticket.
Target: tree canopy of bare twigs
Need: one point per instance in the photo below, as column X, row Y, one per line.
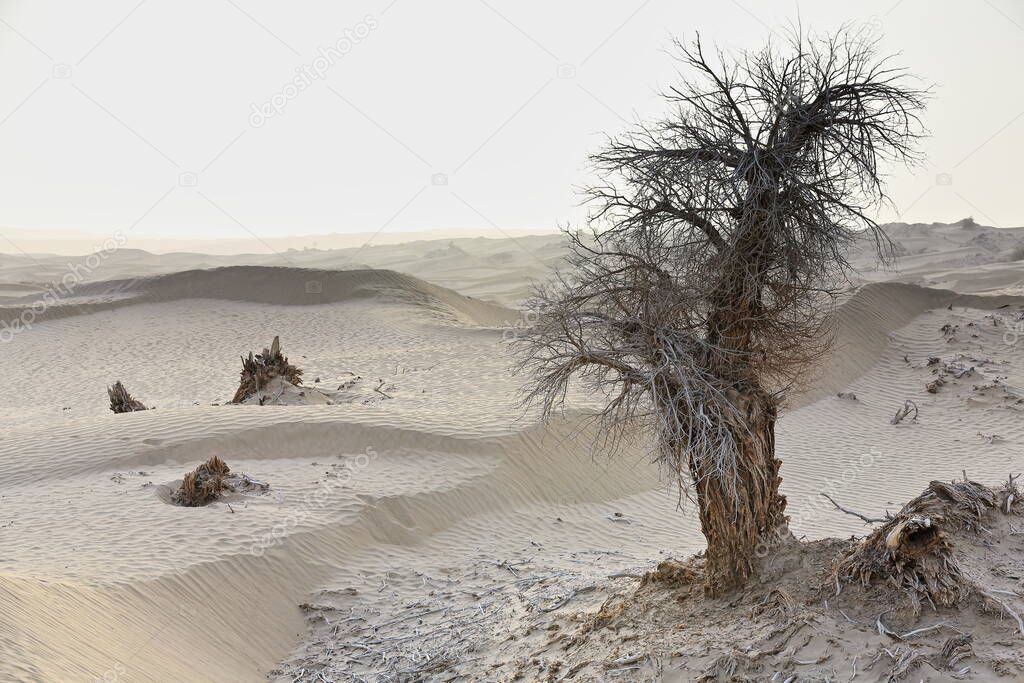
column 716, row 247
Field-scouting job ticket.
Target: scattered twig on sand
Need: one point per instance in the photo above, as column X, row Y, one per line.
column 956, row 648
column 627, row 660
column 904, row 660
column 379, row 390
column 569, row 596
column 884, row 630
column 1011, row 496
column 1006, row 608
column 901, row 414
column 919, row 631
column 867, row 520
column 847, row 616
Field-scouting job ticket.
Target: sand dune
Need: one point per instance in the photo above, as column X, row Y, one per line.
column 498, row 270
column 963, row 256
column 865, row 322
column 261, row 285
column 225, row 586
column 372, row 501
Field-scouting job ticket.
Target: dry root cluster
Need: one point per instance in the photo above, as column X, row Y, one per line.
column 121, row 401
column 210, row 481
column 914, row 551
column 204, row 484
column 259, row 369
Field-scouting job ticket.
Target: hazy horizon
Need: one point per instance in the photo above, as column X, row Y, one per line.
column 71, row 243
column 111, row 121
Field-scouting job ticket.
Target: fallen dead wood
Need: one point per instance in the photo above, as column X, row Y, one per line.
column 901, row 414
column 121, row 401
column 379, row 389
column 1005, row 608
column 867, row 520
column 956, row 648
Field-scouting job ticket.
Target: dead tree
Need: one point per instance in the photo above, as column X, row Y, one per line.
column 121, row 401
column 715, row 252
column 259, row 369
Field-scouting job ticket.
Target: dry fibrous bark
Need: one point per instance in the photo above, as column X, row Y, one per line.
column 913, row 549
column 715, row 253
column 121, row 401
column 259, row 369
column 955, row 649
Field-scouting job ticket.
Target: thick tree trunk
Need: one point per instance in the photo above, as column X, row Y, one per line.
column 741, row 519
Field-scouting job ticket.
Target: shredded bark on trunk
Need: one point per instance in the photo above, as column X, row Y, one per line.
column 121, row 401
column 739, row 515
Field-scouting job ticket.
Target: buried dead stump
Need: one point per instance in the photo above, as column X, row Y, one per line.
column 204, row 484
column 260, row 369
column 210, row 481
column 915, row 550
column 121, row 401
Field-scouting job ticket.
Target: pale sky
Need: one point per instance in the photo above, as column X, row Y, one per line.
column 462, row 115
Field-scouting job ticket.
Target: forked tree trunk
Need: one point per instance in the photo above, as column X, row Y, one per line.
column 742, row 518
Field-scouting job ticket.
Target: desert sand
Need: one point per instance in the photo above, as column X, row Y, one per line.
column 422, row 521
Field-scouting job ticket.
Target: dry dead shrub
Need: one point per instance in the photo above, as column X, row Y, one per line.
column 259, row 369
column 204, row 484
column 121, row 401
column 914, row 551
